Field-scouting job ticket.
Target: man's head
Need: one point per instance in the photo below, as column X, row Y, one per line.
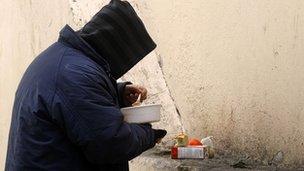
column 119, row 36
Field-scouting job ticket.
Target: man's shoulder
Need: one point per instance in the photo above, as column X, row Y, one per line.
column 77, row 58
column 75, row 65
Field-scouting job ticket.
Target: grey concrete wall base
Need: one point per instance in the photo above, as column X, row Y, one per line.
column 159, row 159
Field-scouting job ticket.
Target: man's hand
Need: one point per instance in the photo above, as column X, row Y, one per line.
column 132, row 92
column 159, row 134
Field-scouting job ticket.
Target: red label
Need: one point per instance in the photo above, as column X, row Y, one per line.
column 174, row 154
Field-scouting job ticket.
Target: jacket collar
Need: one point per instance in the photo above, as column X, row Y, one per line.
column 70, row 38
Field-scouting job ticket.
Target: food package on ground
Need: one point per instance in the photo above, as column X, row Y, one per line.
column 208, row 144
column 181, row 140
column 210, row 152
column 191, row 152
column 193, row 148
column 207, row 141
column 194, row 142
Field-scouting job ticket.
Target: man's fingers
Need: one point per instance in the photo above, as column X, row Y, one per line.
column 131, row 97
column 134, row 91
column 143, row 97
column 144, row 93
column 134, row 96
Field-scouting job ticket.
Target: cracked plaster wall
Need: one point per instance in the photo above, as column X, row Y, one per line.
column 233, row 68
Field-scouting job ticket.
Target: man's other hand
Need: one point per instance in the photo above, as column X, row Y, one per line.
column 159, row 134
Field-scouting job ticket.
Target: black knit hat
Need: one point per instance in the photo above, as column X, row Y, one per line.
column 119, row 36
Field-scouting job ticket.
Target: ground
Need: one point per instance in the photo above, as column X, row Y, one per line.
column 159, row 159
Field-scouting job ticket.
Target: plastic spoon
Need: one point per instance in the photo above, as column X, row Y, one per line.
column 137, row 103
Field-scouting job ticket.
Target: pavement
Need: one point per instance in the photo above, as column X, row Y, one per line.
column 159, row 159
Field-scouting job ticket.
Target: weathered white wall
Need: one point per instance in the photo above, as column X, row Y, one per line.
column 234, row 68
column 26, row 28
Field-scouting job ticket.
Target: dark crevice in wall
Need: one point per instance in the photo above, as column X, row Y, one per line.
column 160, row 63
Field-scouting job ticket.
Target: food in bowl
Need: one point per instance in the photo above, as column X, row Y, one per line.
column 142, row 114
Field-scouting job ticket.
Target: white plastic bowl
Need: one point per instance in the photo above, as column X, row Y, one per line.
column 142, row 114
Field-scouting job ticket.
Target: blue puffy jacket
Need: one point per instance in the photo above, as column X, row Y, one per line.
column 66, row 114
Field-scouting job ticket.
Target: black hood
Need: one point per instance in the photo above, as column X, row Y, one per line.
column 119, row 36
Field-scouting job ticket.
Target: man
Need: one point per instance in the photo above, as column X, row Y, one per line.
column 66, row 114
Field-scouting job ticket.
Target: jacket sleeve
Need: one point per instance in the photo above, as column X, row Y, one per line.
column 121, row 88
column 87, row 113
